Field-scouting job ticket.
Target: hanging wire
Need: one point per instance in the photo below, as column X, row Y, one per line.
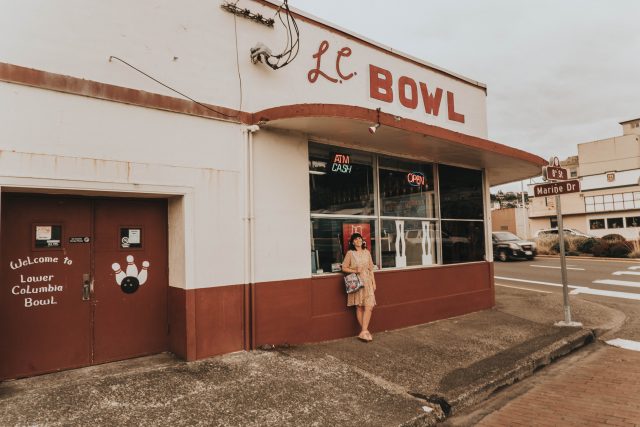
column 292, row 46
column 172, row 89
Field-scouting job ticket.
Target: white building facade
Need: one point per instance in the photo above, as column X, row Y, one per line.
column 234, row 210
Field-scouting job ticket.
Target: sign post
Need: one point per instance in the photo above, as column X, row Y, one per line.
column 557, row 187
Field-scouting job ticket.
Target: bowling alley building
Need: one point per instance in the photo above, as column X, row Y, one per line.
column 184, row 177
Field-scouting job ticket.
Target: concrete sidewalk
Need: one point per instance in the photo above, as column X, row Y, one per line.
column 413, row 376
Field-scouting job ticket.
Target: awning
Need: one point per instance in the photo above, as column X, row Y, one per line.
column 402, row 137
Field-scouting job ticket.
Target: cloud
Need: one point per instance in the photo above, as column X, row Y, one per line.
column 558, row 73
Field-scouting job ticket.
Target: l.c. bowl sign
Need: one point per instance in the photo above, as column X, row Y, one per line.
column 557, row 188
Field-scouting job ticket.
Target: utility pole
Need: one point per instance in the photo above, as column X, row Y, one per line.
column 525, row 224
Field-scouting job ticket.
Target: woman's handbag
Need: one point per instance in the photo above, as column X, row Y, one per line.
column 352, row 283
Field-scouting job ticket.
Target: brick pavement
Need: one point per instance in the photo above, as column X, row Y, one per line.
column 603, row 389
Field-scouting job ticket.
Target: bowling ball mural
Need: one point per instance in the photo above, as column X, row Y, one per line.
column 131, row 279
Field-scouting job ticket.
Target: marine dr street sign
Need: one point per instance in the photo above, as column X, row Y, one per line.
column 557, row 188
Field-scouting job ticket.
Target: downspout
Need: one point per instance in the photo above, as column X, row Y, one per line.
column 249, row 233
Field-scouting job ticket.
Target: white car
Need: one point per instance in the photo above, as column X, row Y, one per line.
column 554, row 232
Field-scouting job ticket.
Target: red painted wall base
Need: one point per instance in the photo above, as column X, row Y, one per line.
column 212, row 321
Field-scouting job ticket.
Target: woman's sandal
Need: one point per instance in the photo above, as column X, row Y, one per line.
column 365, row 336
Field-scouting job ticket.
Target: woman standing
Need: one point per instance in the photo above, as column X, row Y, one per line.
column 358, row 260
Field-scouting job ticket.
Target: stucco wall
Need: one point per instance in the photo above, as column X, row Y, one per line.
column 191, row 46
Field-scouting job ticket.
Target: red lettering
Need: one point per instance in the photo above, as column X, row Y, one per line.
column 314, row 73
column 380, row 81
column 341, row 158
column 409, row 102
column 343, row 53
column 453, row 116
column 431, row 102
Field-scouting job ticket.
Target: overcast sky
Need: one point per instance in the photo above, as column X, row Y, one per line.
column 558, row 72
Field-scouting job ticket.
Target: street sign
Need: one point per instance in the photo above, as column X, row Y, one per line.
column 557, row 188
column 558, row 175
column 554, row 173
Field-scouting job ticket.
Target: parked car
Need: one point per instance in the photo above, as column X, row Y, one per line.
column 508, row 246
column 567, row 232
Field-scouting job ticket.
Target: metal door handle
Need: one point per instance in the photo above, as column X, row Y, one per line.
column 86, row 287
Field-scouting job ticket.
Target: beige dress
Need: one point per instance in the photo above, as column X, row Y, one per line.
column 365, row 296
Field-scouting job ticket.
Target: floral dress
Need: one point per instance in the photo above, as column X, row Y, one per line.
column 365, row 295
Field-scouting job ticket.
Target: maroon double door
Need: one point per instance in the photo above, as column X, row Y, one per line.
column 82, row 281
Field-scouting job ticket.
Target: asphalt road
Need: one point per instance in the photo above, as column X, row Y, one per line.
column 614, row 283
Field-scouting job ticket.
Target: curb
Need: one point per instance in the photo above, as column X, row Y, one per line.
column 593, row 258
column 523, row 368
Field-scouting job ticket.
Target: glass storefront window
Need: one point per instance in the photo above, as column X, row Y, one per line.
column 341, row 181
column 405, row 243
column 595, row 224
column 406, row 189
column 460, row 193
column 394, row 204
column 330, row 239
column 462, row 241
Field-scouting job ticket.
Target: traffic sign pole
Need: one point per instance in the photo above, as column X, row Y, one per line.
column 563, row 264
column 560, row 184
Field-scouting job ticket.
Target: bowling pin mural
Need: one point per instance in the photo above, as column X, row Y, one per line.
column 427, row 257
column 401, row 245
column 132, row 279
column 132, row 269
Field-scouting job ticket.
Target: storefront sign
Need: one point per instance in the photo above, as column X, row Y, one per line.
column 316, row 72
column 557, row 188
column 37, row 290
column 341, row 163
column 416, row 179
column 381, row 87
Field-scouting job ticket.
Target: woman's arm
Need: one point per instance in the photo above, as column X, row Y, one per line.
column 346, row 264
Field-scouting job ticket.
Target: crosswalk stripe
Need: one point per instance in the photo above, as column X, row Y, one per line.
column 524, row 289
column 626, row 344
column 631, row 273
column 603, row 293
column 513, row 279
column 553, row 266
column 618, row 283
column 635, row 267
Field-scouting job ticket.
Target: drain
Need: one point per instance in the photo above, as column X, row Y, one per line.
column 435, row 399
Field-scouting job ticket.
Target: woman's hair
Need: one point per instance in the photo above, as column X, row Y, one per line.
column 353, row 237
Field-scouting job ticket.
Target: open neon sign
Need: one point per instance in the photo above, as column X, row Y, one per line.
column 416, row 179
column 341, row 163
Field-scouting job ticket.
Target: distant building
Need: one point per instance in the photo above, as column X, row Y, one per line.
column 512, row 220
column 609, row 173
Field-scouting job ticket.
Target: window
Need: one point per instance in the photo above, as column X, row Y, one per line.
column 612, row 202
column 330, row 238
column 393, row 203
column 632, row 221
column 614, row 223
column 595, row 224
column 461, row 209
column 407, row 210
column 554, row 222
column 341, row 181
